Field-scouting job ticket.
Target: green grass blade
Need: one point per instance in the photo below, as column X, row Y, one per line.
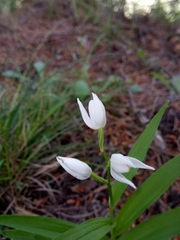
column 139, row 151
column 22, row 235
column 46, row 117
column 14, row 113
column 91, row 229
column 43, row 226
column 147, row 194
column 162, row 227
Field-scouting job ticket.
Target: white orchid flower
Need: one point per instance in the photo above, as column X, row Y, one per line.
column 97, row 114
column 122, row 164
column 75, row 167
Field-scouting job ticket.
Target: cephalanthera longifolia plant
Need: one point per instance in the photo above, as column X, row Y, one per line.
column 161, row 227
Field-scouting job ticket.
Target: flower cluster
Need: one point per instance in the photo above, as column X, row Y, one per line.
column 96, row 120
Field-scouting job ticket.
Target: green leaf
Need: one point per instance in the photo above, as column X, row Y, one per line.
column 147, row 194
column 162, row 79
column 21, row 235
column 43, row 226
column 162, row 227
column 136, row 88
column 105, row 238
column 139, row 151
column 82, row 89
column 141, row 53
column 39, row 66
column 92, row 229
column 14, row 74
column 176, row 83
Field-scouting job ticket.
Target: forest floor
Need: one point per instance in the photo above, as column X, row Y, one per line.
column 139, row 52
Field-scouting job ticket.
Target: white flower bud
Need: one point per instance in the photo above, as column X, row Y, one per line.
column 97, row 114
column 75, row 167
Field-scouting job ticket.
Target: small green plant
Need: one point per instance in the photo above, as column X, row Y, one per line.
column 122, row 168
column 28, row 118
column 162, row 79
column 141, row 53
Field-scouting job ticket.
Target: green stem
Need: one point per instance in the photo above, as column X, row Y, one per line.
column 108, row 182
column 106, row 158
column 101, row 139
column 110, row 192
column 110, row 195
column 98, row 178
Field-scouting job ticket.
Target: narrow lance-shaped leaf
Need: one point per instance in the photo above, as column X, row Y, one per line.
column 105, row 238
column 147, row 194
column 43, row 226
column 139, row 151
column 162, row 227
column 22, row 235
column 92, row 229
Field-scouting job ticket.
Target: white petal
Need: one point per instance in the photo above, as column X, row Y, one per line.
column 121, row 168
column 97, row 111
column 100, row 107
column 75, row 167
column 119, row 177
column 121, row 163
column 139, row 164
column 85, row 116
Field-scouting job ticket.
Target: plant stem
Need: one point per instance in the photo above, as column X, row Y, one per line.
column 101, row 146
column 98, row 178
column 101, row 139
column 110, row 192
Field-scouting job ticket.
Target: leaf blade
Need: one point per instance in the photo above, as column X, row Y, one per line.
column 44, row 226
column 132, row 207
column 91, row 229
column 138, row 152
column 21, row 235
column 162, row 227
